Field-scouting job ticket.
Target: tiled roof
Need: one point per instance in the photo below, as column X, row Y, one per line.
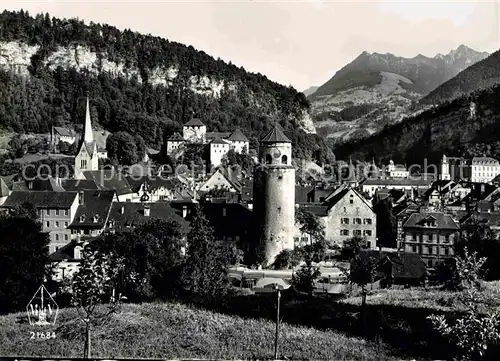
column 195, row 122
column 490, row 218
column 484, row 161
column 406, row 265
column 126, row 215
column 219, row 141
column 94, row 211
column 75, row 185
column 43, row 199
column 64, row 132
column 275, row 135
column 340, row 193
column 65, row 253
column 109, row 179
column 222, row 135
column 413, row 181
column 238, row 136
column 50, row 184
column 227, row 219
column 176, row 137
column 442, row 221
column 316, row 209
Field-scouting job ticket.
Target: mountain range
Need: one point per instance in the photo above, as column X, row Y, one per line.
column 375, row 90
column 461, row 116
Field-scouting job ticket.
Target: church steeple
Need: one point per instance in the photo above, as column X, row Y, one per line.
column 88, row 135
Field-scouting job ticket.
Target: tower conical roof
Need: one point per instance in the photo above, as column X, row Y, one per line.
column 275, row 135
column 88, row 135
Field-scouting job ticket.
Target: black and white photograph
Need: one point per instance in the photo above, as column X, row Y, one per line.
column 249, row 180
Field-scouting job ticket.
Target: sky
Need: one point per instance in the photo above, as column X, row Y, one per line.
column 295, row 42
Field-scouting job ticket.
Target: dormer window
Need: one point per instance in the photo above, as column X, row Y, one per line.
column 82, row 218
column 96, row 218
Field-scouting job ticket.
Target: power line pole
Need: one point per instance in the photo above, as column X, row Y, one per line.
column 277, row 324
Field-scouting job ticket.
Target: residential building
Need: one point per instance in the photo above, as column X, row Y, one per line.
column 346, row 214
column 60, row 134
column 56, row 211
column 92, row 213
column 476, row 170
column 482, row 169
column 125, row 216
column 431, row 235
column 221, row 179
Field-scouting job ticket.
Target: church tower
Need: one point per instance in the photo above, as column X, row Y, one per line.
column 274, row 196
column 86, row 158
column 445, row 169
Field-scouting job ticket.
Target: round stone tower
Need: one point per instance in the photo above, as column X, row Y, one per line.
column 274, row 196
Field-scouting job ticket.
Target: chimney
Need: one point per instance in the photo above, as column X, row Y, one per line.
column 184, row 211
column 81, row 197
column 146, row 210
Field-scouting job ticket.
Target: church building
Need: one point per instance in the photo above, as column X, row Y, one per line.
column 87, row 158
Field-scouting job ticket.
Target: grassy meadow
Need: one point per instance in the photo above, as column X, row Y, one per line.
column 172, row 330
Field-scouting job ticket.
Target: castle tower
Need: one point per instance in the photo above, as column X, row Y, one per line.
column 86, row 159
column 445, row 169
column 274, row 196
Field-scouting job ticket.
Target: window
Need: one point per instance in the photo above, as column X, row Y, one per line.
column 429, row 263
column 65, row 224
column 357, row 220
column 344, row 221
column 351, row 201
column 344, row 232
column 284, row 159
column 48, row 224
column 66, row 237
column 57, row 237
column 269, row 159
column 357, row 232
column 66, row 212
column 414, row 249
column 430, row 237
column 367, row 232
column 48, row 212
column 83, row 163
column 367, row 221
column 344, row 210
column 446, row 251
column 57, row 212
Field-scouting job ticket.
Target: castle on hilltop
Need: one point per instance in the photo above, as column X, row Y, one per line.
column 219, row 143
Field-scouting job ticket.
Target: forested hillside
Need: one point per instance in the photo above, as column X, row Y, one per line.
column 142, row 84
column 481, row 75
column 450, row 128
